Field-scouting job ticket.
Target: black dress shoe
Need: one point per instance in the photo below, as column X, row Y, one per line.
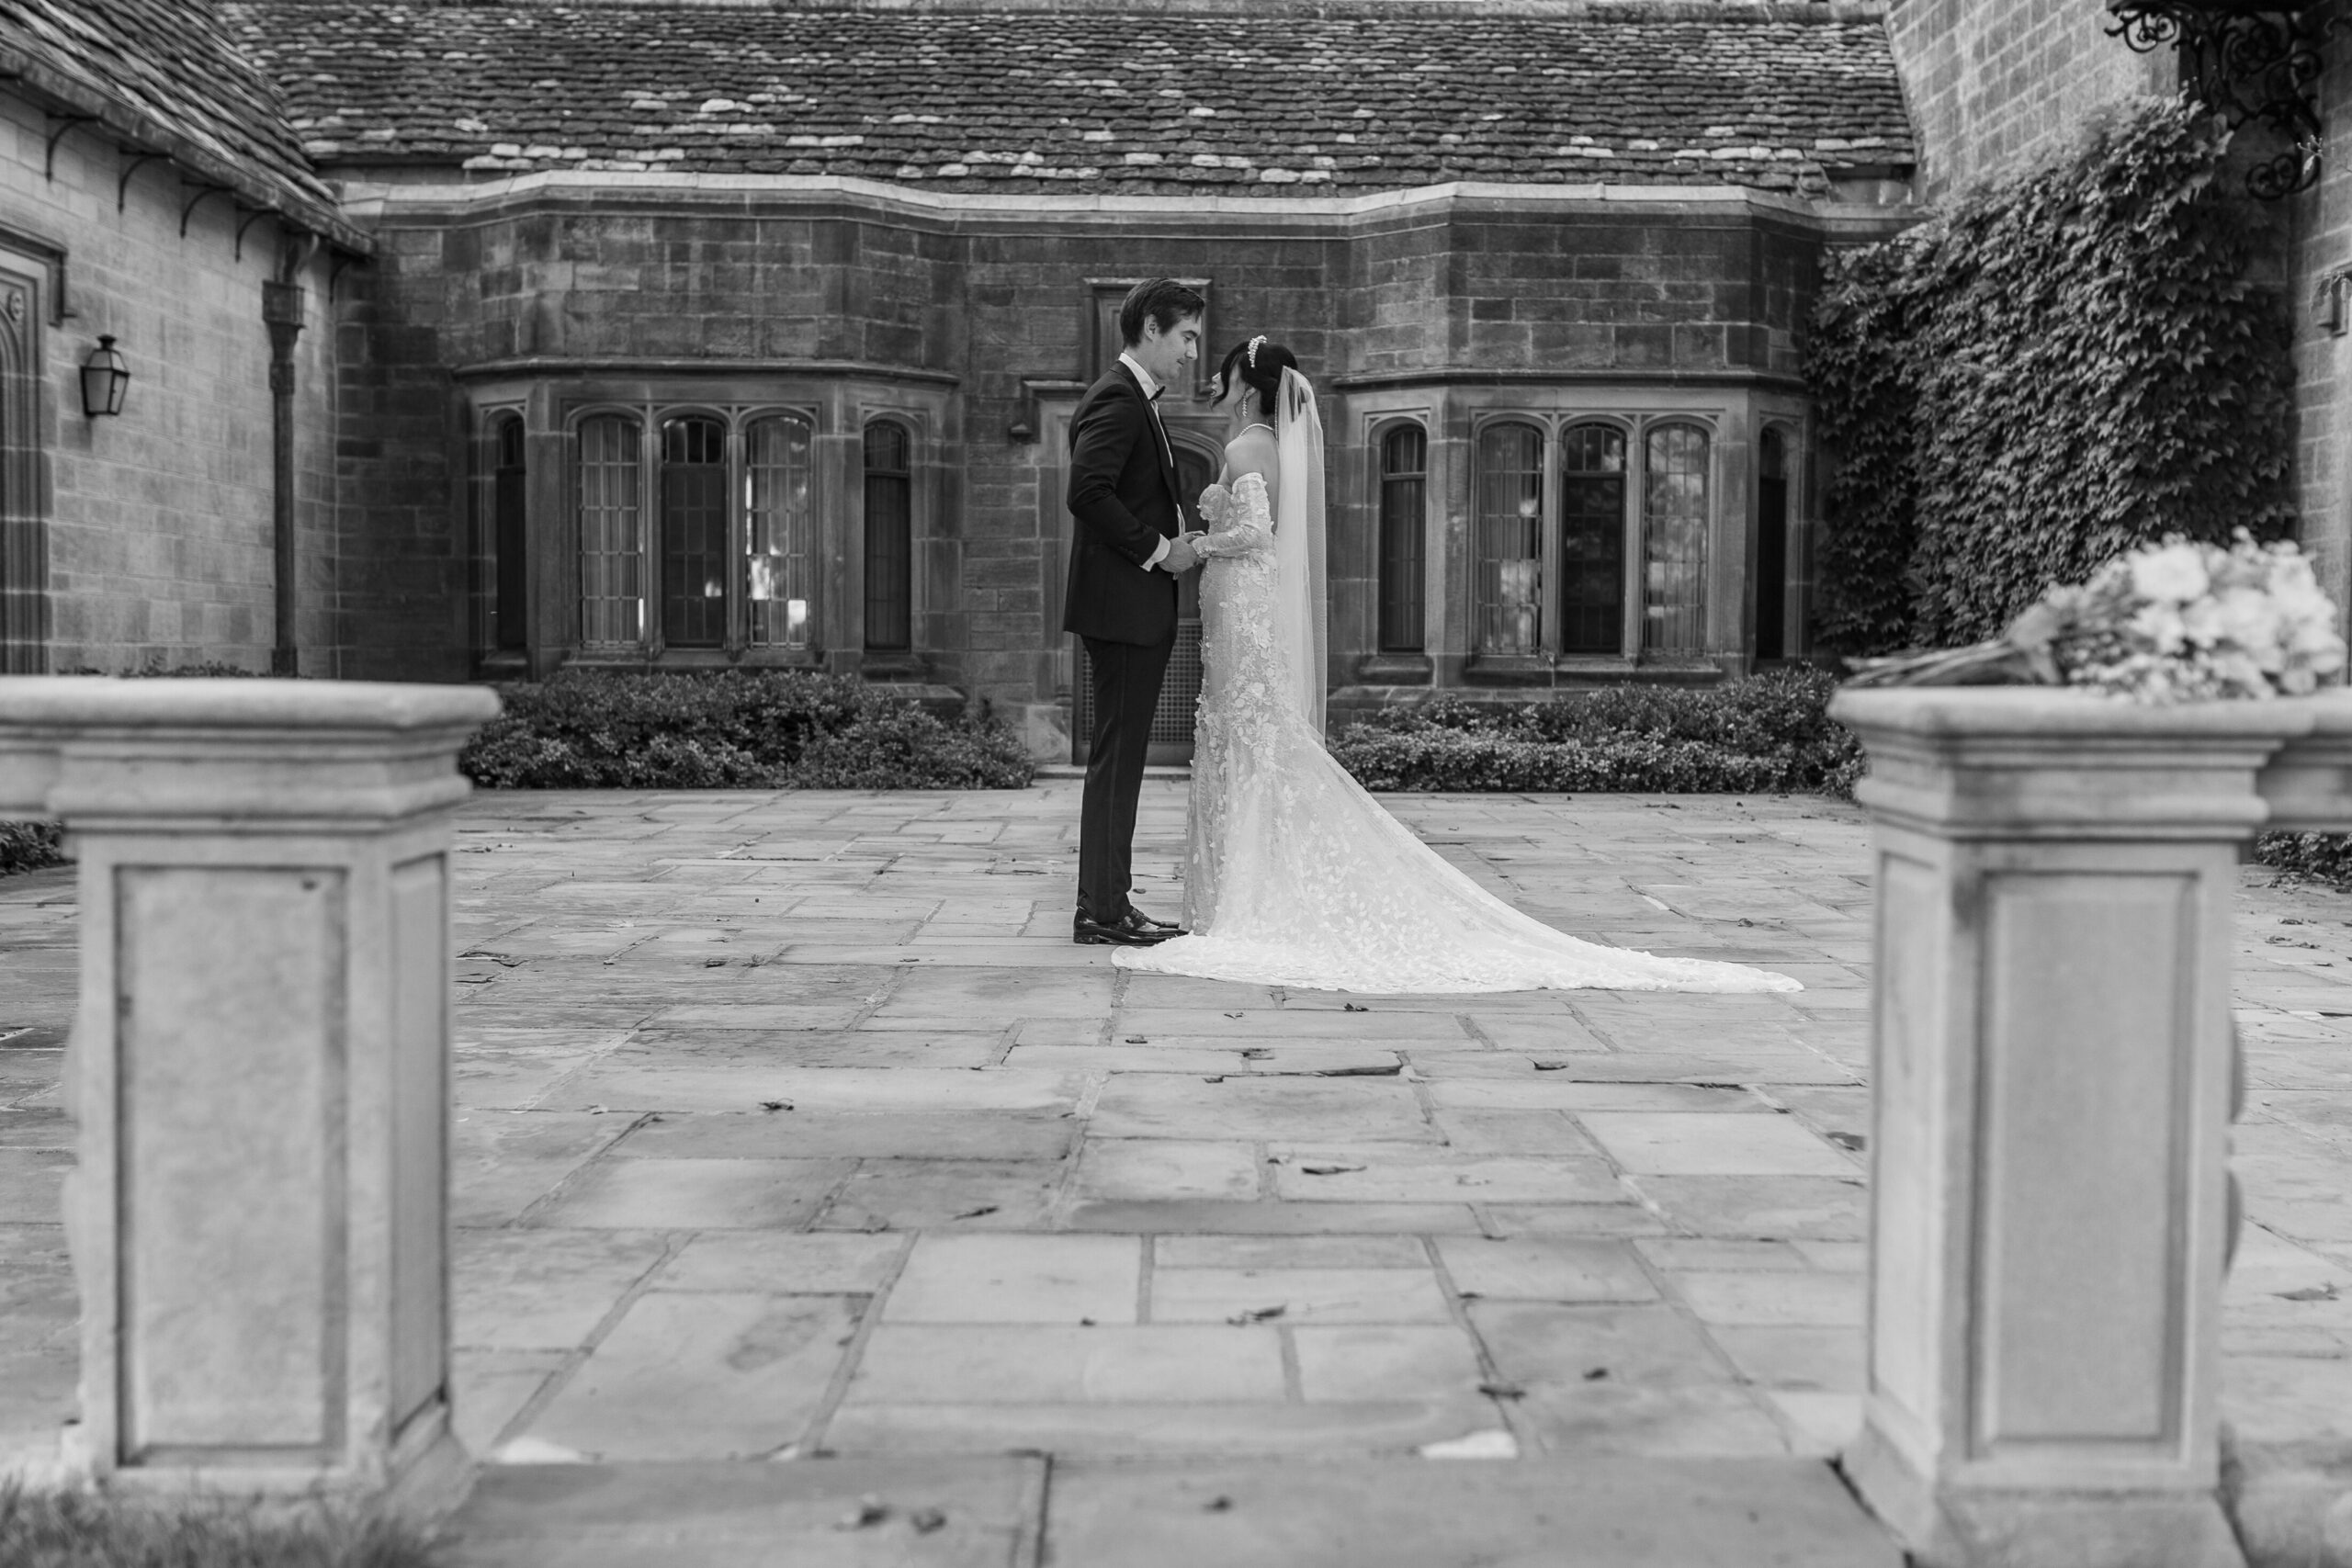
column 1130, row 930
column 1171, row 926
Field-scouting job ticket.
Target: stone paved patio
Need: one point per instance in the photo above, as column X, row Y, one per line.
column 793, row 1127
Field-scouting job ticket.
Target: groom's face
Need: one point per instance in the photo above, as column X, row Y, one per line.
column 1165, row 353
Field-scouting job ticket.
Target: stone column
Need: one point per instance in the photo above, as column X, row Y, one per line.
column 259, row 1072
column 2050, row 1075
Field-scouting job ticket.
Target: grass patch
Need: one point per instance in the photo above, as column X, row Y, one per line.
column 75, row 1530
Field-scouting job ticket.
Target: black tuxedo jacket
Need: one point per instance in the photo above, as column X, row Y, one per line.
column 1122, row 493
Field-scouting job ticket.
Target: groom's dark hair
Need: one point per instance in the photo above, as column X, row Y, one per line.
column 1164, row 300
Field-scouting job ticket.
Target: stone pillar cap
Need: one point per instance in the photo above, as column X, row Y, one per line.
column 2057, row 713
column 105, row 702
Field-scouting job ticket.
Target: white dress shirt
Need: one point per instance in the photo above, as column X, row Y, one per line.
column 1150, row 385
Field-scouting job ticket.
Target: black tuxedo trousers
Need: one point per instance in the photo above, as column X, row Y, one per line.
column 1122, row 495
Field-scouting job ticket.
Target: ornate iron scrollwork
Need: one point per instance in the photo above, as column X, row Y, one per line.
column 2246, row 62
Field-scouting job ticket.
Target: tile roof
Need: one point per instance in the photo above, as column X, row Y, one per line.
column 1091, row 96
column 165, row 76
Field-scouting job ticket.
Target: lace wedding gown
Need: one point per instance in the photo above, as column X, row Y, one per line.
column 1296, row 876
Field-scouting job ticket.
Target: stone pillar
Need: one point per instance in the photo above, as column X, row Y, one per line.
column 259, row 1071
column 2051, row 1074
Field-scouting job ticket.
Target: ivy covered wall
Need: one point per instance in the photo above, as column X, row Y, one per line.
column 2056, row 365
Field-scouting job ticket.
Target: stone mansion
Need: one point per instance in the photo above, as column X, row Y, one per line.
column 477, row 341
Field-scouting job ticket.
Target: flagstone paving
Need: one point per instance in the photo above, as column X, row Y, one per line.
column 792, row 1127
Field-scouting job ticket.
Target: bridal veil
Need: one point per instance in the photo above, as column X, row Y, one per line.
column 1301, row 622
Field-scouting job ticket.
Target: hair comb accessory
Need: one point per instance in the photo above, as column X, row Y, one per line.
column 1253, row 349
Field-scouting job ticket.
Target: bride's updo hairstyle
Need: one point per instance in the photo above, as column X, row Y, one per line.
column 1261, row 372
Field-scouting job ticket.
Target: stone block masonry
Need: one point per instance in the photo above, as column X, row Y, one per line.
column 157, row 522
column 974, row 316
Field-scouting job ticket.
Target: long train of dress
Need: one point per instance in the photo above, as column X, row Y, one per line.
column 1296, row 876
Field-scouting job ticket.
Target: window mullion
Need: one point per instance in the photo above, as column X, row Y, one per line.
column 1637, row 482
column 1551, row 604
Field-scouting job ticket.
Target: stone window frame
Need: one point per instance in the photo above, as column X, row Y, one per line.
column 31, row 294
column 837, row 399
column 1636, row 416
column 1794, row 428
column 890, row 421
column 482, row 467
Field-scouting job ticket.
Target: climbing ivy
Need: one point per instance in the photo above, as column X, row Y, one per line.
column 2057, row 365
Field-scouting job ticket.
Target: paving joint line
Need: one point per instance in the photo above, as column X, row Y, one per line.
column 576, row 1356
column 812, row 1436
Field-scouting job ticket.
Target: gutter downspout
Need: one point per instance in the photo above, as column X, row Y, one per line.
column 282, row 306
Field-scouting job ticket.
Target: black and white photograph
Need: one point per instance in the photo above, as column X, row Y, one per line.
column 1175, row 783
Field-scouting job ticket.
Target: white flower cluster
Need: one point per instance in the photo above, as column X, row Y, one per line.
column 2183, row 621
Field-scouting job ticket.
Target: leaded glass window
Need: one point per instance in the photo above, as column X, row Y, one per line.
column 694, row 532
column 1511, row 540
column 611, row 602
column 781, row 560
column 889, row 542
column 1674, row 539
column 1593, row 539
column 1404, row 481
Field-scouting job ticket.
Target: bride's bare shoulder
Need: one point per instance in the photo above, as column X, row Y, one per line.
column 1251, row 452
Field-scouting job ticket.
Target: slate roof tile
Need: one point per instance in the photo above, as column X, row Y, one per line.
column 168, row 75
column 951, row 96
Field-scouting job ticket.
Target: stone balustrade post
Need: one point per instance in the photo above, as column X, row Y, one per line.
column 2051, row 1068
column 259, row 1070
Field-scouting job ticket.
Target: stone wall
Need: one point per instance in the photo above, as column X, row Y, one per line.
column 552, row 279
column 158, row 522
column 2321, row 222
column 1993, row 81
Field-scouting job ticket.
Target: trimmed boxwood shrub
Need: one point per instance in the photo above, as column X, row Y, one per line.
column 1771, row 733
column 28, row 846
column 2054, row 368
column 735, row 731
column 2324, row 857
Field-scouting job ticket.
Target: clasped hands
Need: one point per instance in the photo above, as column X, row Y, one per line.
column 1182, row 554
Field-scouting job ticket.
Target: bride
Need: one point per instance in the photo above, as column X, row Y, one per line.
column 1294, row 875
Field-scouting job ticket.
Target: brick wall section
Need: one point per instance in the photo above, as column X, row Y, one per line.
column 1648, row 290
column 1992, row 82
column 159, row 521
column 2321, row 224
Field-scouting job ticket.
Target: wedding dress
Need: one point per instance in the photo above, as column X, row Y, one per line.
column 1294, row 874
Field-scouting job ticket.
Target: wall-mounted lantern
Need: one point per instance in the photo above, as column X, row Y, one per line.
column 2330, row 305
column 105, row 376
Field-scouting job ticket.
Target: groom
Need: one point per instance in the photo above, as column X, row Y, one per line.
column 1130, row 548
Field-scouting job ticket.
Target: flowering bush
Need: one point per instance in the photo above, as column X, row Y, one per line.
column 2178, row 621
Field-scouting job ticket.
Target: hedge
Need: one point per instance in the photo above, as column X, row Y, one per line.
column 1771, row 733
column 28, row 846
column 735, row 731
column 2058, row 365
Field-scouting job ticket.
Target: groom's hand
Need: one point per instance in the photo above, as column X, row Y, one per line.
column 1181, row 556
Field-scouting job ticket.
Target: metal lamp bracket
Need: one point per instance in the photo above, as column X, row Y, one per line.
column 2244, row 61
